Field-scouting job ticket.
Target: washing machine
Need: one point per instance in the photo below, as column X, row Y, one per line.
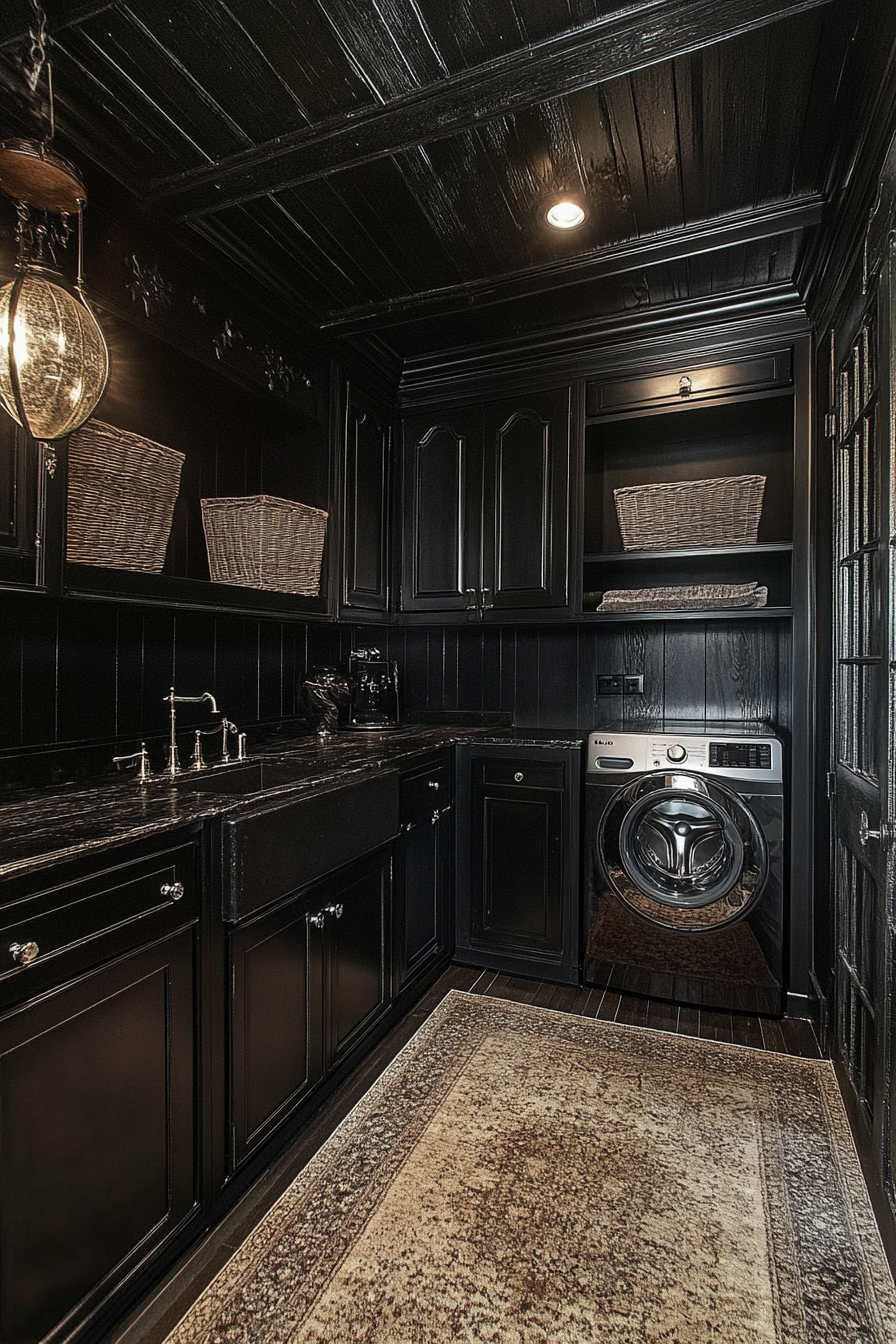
column 684, row 865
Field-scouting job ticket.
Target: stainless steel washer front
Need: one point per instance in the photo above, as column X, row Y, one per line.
column 682, row 851
column 684, row 846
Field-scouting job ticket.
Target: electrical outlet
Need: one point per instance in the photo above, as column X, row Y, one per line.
column 609, row 683
column 632, row 685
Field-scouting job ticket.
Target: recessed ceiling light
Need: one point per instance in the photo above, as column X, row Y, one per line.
column 565, row 214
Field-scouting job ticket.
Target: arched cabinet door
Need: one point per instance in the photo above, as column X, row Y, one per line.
column 487, row 501
column 365, row 513
column 526, row 498
column 442, row 512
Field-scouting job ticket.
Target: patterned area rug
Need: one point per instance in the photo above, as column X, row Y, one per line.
column 529, row 1177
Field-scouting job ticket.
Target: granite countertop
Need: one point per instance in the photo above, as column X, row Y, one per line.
column 43, row 827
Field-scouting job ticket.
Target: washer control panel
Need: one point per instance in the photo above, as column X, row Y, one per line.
column 731, row 757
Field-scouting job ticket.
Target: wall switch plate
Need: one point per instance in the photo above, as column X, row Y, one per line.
column 632, row 685
column 609, row 683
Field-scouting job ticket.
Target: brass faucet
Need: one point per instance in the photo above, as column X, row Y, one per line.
column 173, row 766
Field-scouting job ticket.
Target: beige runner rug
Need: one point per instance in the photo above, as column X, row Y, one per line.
column 520, row 1176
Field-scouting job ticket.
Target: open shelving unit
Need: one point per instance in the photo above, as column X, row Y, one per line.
column 720, row 435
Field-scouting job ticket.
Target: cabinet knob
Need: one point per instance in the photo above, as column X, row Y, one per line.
column 333, row 910
column 518, row 777
column 173, row 890
column 684, row 386
column 24, row 953
column 433, row 783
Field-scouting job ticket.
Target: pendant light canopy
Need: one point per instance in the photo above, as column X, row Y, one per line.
column 54, row 364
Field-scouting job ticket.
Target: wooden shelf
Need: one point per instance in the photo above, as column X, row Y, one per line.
column 716, row 614
column 164, row 590
column 692, row 553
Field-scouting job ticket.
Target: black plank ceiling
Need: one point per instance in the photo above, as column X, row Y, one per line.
column 381, row 168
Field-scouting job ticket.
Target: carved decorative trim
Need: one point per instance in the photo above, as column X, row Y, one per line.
column 149, row 287
column 882, row 219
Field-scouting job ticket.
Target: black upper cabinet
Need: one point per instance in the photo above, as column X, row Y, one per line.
column 32, row 492
column 487, row 496
column 365, row 505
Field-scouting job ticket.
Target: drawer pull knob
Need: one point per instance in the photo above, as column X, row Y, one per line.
column 433, row 783
column 24, row 953
column 684, row 386
column 519, row 777
column 333, row 910
column 173, row 890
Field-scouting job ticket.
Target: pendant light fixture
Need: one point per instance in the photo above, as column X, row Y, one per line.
column 54, row 364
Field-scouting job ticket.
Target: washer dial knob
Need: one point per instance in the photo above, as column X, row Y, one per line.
column 676, row 753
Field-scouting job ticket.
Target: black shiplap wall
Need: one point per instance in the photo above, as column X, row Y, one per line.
column 75, row 673
column 82, row 680
column 545, row 676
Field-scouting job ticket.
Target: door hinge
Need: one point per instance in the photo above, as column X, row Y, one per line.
column 832, row 784
column 830, row 425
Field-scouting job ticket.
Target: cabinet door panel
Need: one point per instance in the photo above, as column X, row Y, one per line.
column 520, row 871
column 442, row 513
column 97, row 1133
column 526, row 498
column 366, row 506
column 358, row 953
column 421, row 899
column 276, row 1052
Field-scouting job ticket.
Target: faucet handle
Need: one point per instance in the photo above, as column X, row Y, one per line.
column 241, row 746
column 197, row 761
column 142, row 757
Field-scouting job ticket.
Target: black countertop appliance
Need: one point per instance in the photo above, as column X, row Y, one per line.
column 374, row 704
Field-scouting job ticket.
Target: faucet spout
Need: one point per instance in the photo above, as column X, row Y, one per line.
column 173, row 766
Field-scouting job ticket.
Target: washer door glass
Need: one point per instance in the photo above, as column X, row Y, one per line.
column 682, row 851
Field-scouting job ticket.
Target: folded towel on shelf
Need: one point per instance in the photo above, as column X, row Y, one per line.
column 685, row 597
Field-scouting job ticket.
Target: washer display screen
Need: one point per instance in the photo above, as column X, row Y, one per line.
column 741, row 755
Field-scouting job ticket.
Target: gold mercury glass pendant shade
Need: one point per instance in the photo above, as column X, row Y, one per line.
column 54, row 364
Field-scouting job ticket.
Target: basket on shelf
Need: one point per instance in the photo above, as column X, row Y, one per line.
column 720, row 511
column 259, row 541
column 121, row 494
column 685, row 597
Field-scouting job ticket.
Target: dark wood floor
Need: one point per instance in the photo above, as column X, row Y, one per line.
column 154, row 1320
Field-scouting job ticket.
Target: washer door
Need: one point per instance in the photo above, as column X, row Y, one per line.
column 682, row 851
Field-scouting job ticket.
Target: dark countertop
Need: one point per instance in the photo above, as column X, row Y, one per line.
column 43, row 827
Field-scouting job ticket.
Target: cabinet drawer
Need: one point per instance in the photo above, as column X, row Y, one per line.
column 425, row 793
column 690, row 384
column 78, row 922
column 524, row 774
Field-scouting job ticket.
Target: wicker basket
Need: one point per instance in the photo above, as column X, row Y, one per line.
column 121, row 494
column 722, row 511
column 259, row 541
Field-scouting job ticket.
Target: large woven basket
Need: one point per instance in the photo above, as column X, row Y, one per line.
column 721, row 511
column 121, row 494
column 259, row 541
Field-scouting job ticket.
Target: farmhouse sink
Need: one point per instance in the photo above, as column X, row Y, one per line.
column 247, row 777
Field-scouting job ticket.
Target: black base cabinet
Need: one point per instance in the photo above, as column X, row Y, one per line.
column 423, row 868
column 310, row 977
column 99, row 1115
column 518, row 864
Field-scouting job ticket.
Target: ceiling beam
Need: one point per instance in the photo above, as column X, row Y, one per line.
column 711, row 235
column 17, row 18
column 640, row 35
